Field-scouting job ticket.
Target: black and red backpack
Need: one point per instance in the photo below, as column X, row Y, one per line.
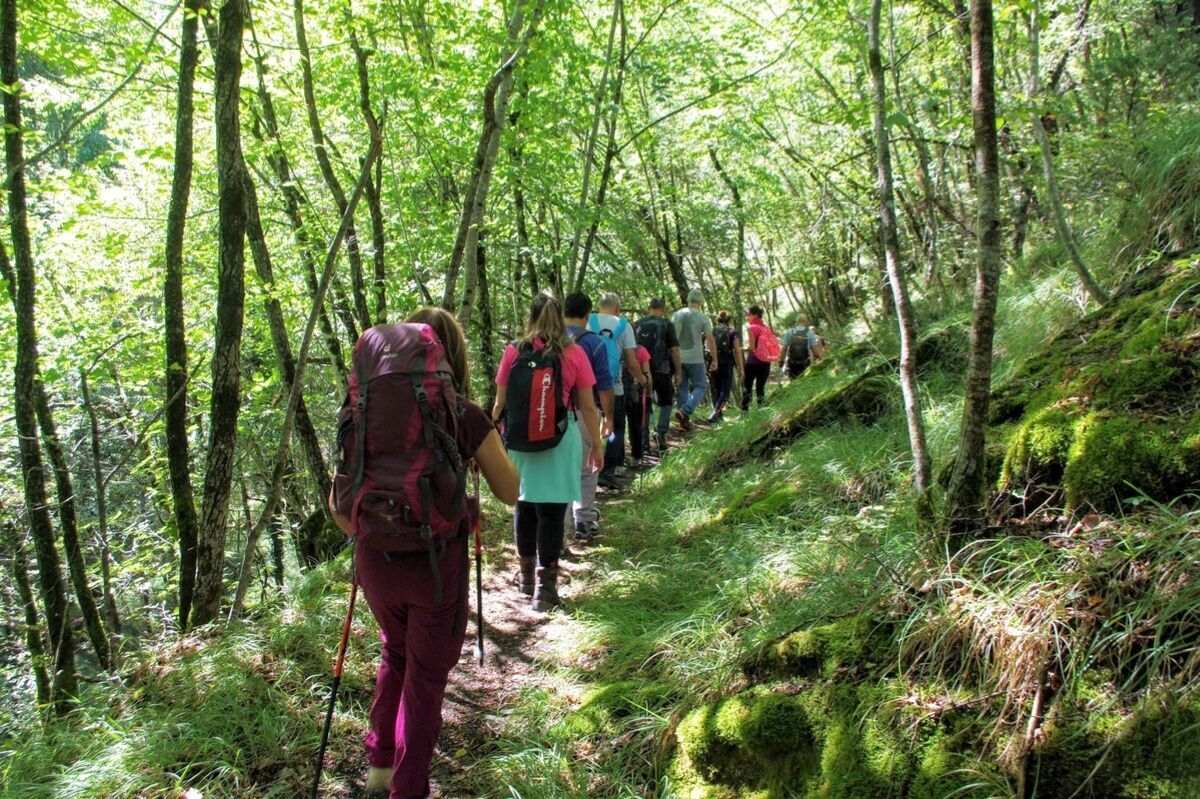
column 535, row 414
column 401, row 479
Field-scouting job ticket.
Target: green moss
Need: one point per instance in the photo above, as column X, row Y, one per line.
column 605, row 706
column 1039, row 448
column 821, row 650
column 1110, row 453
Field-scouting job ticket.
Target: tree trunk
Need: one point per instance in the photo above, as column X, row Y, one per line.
column 740, row 217
column 175, row 422
column 293, row 201
column 226, row 377
column 310, row 441
column 112, row 618
column 1061, row 226
column 54, row 597
column 487, row 328
column 895, row 271
column 35, row 641
column 589, row 149
column 374, row 201
column 495, row 104
column 321, row 150
column 965, row 496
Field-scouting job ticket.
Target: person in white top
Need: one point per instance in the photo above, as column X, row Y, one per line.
column 618, row 334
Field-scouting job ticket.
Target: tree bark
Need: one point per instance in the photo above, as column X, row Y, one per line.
column 487, row 329
column 740, row 217
column 1061, row 225
column 293, row 202
column 175, row 422
column 374, row 187
column 35, row 641
column 589, row 149
column 112, row 617
column 321, row 149
column 965, row 496
column 495, row 103
column 226, row 375
column 895, row 270
column 54, row 597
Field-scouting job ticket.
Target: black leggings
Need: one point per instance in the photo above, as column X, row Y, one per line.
column 539, row 530
column 757, row 375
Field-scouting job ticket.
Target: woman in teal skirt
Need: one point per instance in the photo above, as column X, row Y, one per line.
column 549, row 479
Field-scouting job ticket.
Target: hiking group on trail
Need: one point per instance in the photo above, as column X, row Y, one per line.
column 568, row 390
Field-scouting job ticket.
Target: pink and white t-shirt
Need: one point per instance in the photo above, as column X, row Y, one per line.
column 576, row 370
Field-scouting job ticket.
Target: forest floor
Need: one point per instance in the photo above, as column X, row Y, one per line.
column 479, row 696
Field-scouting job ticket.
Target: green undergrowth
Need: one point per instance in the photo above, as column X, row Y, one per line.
column 767, row 617
column 226, row 713
column 1111, row 409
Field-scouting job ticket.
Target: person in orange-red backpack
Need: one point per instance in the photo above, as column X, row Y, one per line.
column 759, row 339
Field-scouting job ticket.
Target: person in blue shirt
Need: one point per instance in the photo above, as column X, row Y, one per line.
column 583, row 513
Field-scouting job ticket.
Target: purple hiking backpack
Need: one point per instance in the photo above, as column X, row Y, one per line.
column 401, row 480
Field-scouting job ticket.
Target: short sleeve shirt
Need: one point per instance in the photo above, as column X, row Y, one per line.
column 474, row 425
column 754, row 328
column 625, row 341
column 691, row 325
column 576, row 370
column 597, row 356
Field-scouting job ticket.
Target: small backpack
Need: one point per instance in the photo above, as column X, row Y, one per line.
column 535, row 412
column 766, row 346
column 612, row 342
column 651, row 333
column 724, row 337
column 798, row 353
column 401, row 479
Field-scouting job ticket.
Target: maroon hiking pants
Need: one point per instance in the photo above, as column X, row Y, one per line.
column 421, row 643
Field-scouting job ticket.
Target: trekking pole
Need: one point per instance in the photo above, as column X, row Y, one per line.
column 337, row 678
column 478, row 525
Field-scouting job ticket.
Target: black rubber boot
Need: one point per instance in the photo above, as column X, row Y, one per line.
column 545, row 595
column 528, row 565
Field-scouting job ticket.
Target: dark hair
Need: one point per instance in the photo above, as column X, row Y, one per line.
column 723, row 318
column 450, row 333
column 755, row 310
column 577, row 305
column 658, row 302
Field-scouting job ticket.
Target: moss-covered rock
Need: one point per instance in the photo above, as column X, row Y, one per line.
column 606, row 705
column 1111, row 457
column 823, row 650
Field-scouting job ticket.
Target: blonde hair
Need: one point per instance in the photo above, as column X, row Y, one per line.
column 450, row 332
column 546, row 322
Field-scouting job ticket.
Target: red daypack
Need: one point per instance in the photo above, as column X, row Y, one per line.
column 766, row 346
column 401, row 480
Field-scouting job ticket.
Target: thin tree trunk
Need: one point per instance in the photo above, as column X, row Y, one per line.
column 111, row 617
column 294, row 395
column 965, row 496
column 374, row 202
column 175, row 423
column 495, row 102
column 226, row 377
column 740, row 217
column 895, row 271
column 1061, row 225
column 293, row 201
column 321, row 149
column 309, row 439
column 487, row 329
column 35, row 641
column 54, row 597
column 589, row 149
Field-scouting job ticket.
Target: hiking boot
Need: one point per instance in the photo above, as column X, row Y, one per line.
column 379, row 781
column 545, row 595
column 609, row 482
column 660, row 440
column 618, row 471
column 685, row 424
column 528, row 565
column 586, row 531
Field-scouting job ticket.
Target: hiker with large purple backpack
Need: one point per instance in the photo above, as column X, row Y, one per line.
column 543, row 382
column 407, row 435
